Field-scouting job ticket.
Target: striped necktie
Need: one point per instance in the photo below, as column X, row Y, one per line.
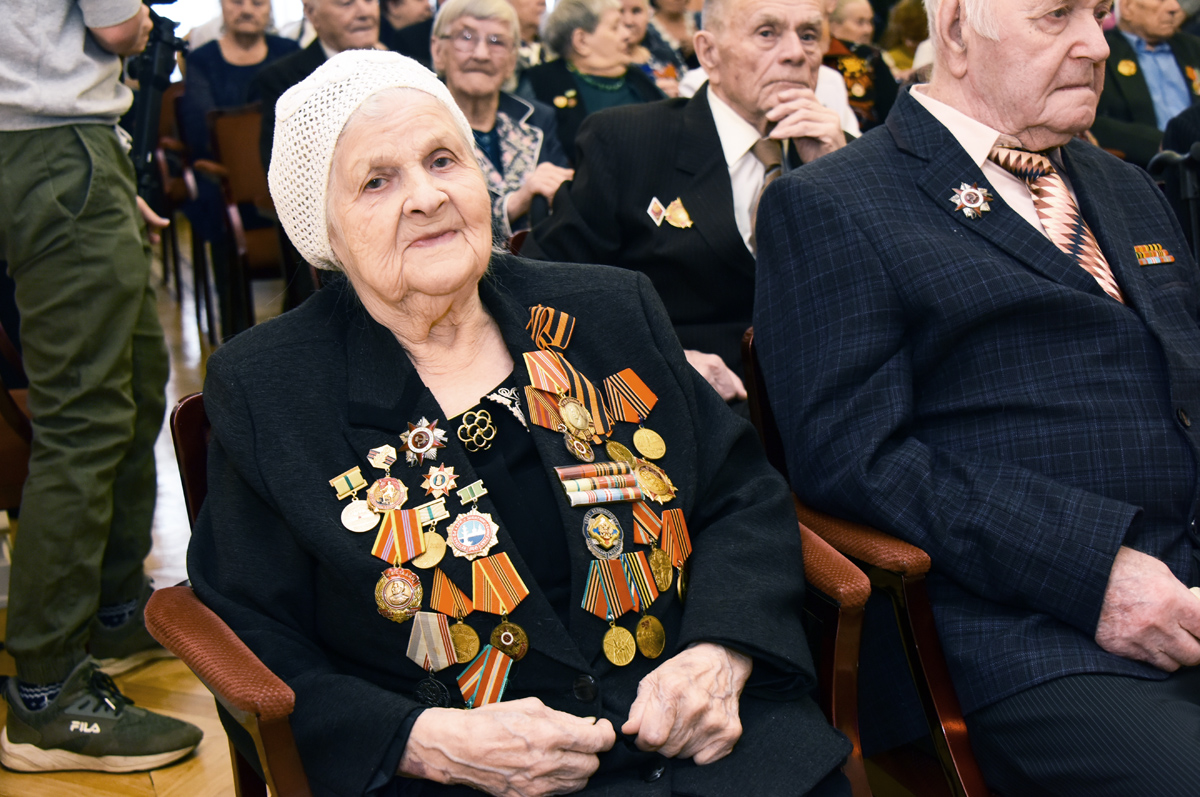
column 1056, row 209
column 770, row 153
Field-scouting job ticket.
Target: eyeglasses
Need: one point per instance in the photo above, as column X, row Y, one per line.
column 465, row 41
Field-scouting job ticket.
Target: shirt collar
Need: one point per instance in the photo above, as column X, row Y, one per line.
column 1139, row 44
column 974, row 136
column 736, row 134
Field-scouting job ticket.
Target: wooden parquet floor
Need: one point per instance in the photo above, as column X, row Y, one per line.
column 166, row 686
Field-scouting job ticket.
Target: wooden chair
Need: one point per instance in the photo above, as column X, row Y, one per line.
column 16, row 431
column 898, row 570
column 254, row 697
column 176, row 180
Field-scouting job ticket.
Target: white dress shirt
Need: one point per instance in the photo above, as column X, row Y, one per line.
column 830, row 91
column 746, row 172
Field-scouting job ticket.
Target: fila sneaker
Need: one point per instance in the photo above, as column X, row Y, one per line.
column 91, row 725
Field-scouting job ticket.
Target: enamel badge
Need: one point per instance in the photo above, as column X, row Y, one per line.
column 971, row 200
column 422, row 440
column 656, row 212
column 677, row 215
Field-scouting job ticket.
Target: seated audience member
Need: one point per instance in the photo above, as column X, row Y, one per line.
column 675, row 24
column 980, row 334
column 648, row 50
column 1152, row 76
column 593, row 72
column 422, row 372
column 906, row 29
column 670, row 189
column 340, row 25
column 405, row 27
column 530, row 52
column 516, row 141
column 869, row 82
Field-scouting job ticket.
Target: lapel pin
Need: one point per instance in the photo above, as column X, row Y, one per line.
column 971, row 200
column 1194, row 77
column 677, row 215
column 1127, row 67
column 656, row 211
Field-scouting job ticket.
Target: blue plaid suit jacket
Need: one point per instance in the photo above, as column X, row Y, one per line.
column 964, row 385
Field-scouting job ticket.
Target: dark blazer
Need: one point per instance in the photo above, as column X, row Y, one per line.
column 273, row 81
column 627, row 157
column 300, row 399
column 528, row 137
column 1125, row 117
column 412, row 40
column 552, row 80
column 964, row 385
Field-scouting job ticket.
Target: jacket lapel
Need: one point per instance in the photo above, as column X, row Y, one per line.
column 1133, row 86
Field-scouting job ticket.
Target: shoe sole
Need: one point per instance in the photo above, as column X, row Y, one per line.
column 119, row 666
column 31, row 758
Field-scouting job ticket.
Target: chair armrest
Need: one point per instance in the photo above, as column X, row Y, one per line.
column 865, row 543
column 833, row 574
column 202, row 641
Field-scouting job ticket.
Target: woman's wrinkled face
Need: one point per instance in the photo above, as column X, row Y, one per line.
column 408, row 208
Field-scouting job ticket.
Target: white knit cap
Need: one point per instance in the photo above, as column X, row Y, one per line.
column 310, row 116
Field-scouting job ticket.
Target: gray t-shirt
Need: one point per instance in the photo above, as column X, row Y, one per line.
column 52, row 71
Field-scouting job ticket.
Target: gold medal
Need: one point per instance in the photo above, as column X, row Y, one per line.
column 577, row 421
column 618, row 452
column 398, row 594
column 358, row 516
column 510, row 639
column 435, row 549
column 649, row 443
column 619, row 646
column 1127, row 68
column 465, row 641
column 387, row 494
column 651, row 638
column 660, row 566
column 654, row 481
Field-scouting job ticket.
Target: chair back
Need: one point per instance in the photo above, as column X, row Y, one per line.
column 235, row 133
column 190, row 431
column 16, row 431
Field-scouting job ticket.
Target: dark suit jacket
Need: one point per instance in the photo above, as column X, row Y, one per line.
column 412, row 40
column 964, row 385
column 545, row 82
column 628, row 156
column 300, row 399
column 273, row 81
column 1125, row 118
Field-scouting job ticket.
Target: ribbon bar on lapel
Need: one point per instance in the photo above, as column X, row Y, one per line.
column 497, row 586
column 429, row 643
column 550, row 328
column 615, row 495
column 447, row 598
column 485, row 678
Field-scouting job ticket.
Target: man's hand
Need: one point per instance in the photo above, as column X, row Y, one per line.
column 517, row 749
column 1148, row 614
column 128, row 37
column 716, row 373
column 814, row 129
column 688, row 706
column 544, row 181
column 154, row 222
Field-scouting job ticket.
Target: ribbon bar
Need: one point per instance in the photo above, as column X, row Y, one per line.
column 610, row 496
column 592, row 470
column 600, row 483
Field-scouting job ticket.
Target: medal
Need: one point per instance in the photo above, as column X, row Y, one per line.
column 398, row 594
column 649, row 443
column 400, row 537
column 676, row 542
column 472, row 534
column 677, row 216
column 662, row 569
column 496, row 586
column 618, row 452
column 654, row 481
column 387, row 494
column 484, row 679
column 357, row 513
column 422, row 440
column 439, row 482
column 1127, row 68
column 602, row 534
column 449, row 600
column 607, row 594
column 435, row 549
column 477, row 430
column 579, row 449
column 465, row 640
column 640, row 576
column 511, row 639
column 577, row 421
column 651, row 638
column 971, row 200
column 429, row 642
column 646, row 524
column 433, row 693
column 619, row 646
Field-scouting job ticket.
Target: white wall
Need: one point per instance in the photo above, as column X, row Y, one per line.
column 190, row 13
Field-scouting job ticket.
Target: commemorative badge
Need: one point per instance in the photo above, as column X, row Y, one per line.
column 422, row 440
column 603, row 534
column 484, row 680
column 430, row 514
column 971, row 200
column 510, row 638
column 619, row 646
column 651, row 637
column 656, row 211
column 439, row 481
column 649, row 443
column 356, row 515
column 387, row 494
column 472, row 534
column 618, row 453
column 450, row 600
column 653, row 480
column 398, row 594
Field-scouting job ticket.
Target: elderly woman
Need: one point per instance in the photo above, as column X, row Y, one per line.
column 593, row 72
column 648, row 50
column 442, row 483
column 516, row 141
column 870, row 87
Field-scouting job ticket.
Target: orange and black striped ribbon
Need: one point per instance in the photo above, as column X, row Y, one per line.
column 447, row 598
column 496, row 586
column 585, row 391
column 550, row 328
column 591, row 470
column 676, row 542
column 628, row 397
column 550, row 371
column 607, row 593
column 647, row 526
column 641, row 579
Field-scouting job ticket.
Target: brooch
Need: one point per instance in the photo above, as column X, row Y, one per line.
column 971, row 200
column 567, row 99
column 677, row 215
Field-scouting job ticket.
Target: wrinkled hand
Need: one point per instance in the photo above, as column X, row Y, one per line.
column 544, row 181
column 154, row 222
column 716, row 373
column 516, row 749
column 1148, row 614
column 814, row 129
column 688, row 706
column 668, row 86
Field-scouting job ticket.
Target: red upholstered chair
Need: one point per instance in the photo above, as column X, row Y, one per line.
column 252, row 695
column 898, row 570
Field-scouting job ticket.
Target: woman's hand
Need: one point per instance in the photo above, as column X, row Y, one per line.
column 517, row 749
column 544, row 181
column 688, row 706
column 717, row 373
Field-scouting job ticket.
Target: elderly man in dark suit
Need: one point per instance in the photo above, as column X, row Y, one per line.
column 340, row 25
column 980, row 335
column 669, row 188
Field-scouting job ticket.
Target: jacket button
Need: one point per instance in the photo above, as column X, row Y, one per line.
column 585, row 689
column 654, row 773
column 1183, row 417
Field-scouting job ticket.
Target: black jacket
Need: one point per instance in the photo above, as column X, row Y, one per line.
column 298, row 400
column 273, row 81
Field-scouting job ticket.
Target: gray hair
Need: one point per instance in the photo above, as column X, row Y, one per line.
column 571, row 15
column 712, row 16
column 980, row 15
column 454, row 10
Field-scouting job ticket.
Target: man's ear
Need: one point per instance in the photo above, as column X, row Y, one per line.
column 950, row 36
column 705, row 44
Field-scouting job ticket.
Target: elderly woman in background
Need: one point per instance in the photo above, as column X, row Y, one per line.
column 529, row 16
column 648, row 50
column 675, row 23
column 516, row 141
column 422, row 497
column 870, row 87
column 593, row 72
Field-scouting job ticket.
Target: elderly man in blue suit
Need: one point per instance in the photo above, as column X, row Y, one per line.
column 980, row 334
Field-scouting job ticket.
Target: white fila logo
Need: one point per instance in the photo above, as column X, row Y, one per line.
column 85, row 727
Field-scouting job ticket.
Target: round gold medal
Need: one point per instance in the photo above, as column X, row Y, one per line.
column 465, row 641
column 619, row 646
column 651, row 638
column 618, row 452
column 511, row 639
column 660, row 566
column 398, row 594
column 654, row 481
column 649, row 443
column 577, row 421
column 435, row 549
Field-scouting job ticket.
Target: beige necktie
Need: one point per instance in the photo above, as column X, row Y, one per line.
column 770, row 153
column 1058, row 213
